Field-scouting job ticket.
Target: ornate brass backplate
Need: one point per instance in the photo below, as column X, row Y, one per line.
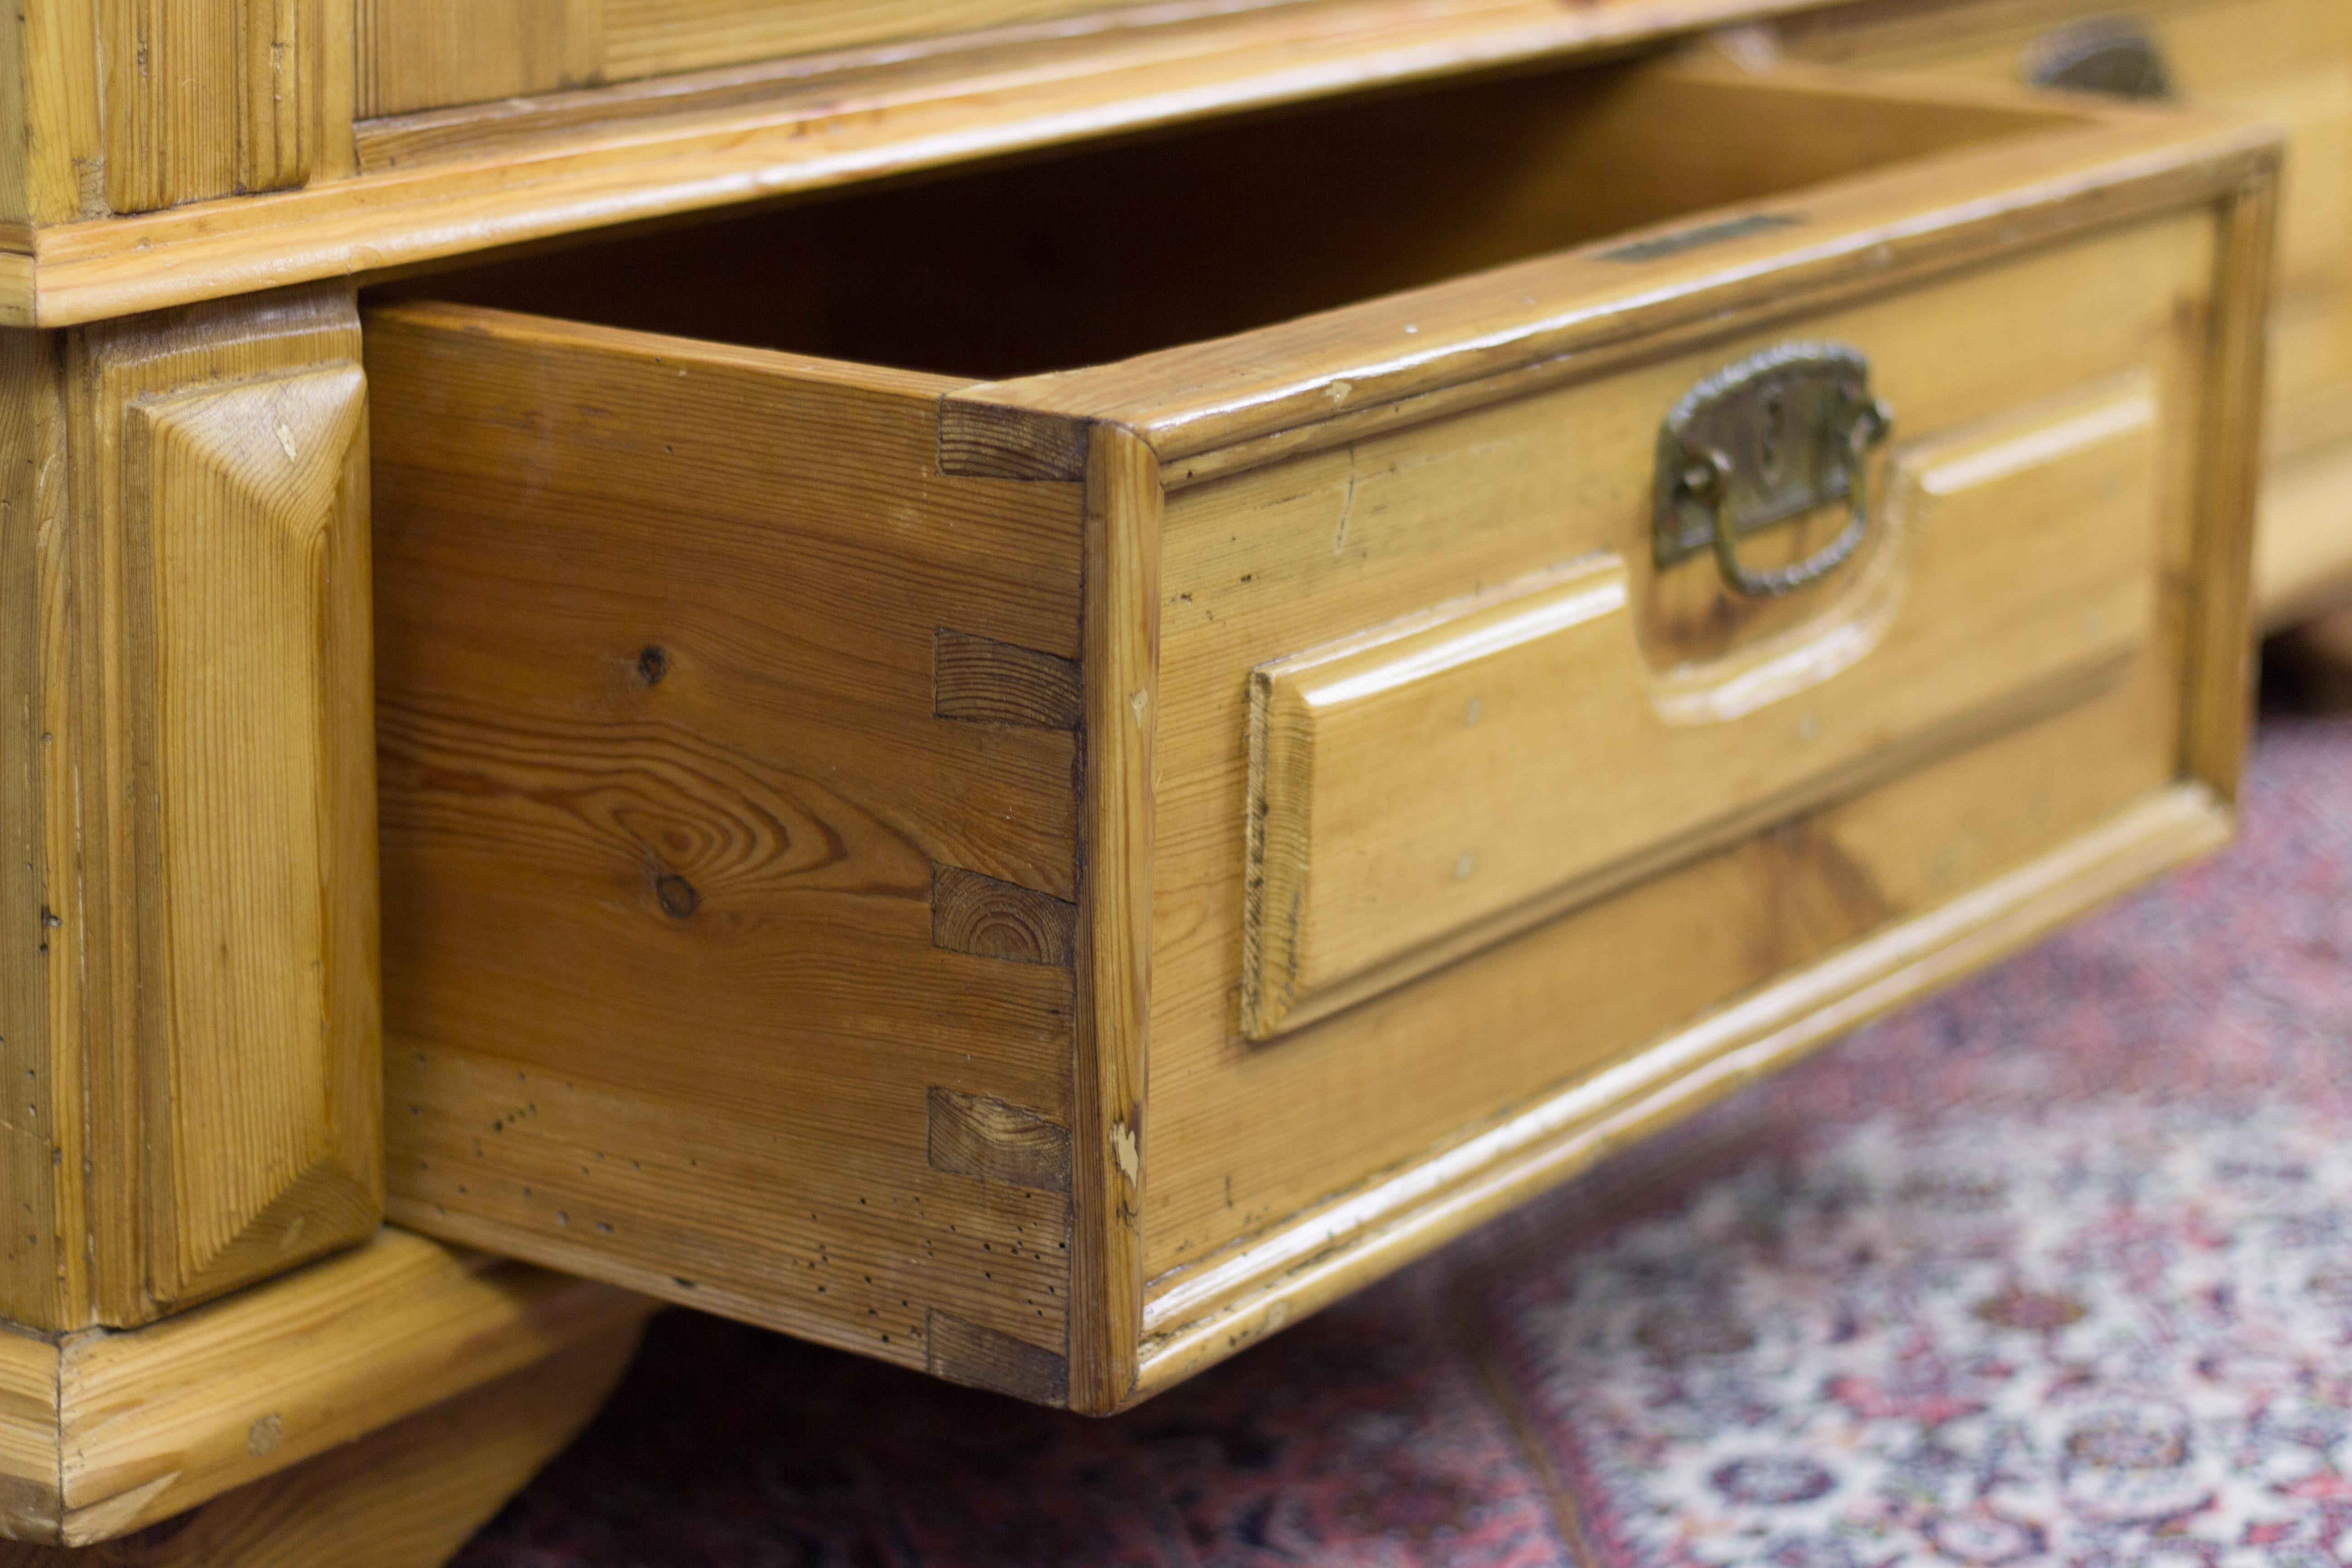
column 1781, row 434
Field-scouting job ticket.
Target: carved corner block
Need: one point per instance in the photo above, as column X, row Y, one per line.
column 248, row 522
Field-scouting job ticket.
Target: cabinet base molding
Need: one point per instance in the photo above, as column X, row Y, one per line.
column 459, row 1374
column 406, row 1496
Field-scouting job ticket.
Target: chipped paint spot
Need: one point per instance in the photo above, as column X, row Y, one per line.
column 1124, row 1150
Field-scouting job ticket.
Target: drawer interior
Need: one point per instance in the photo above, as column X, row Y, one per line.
column 1132, row 247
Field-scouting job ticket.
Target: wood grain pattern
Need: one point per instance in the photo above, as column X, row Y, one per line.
column 1244, row 1137
column 971, row 1135
column 32, row 1456
column 983, row 681
column 1111, row 1059
column 206, row 99
column 431, row 54
column 418, row 54
column 982, row 1358
column 51, row 131
column 2288, row 60
column 1417, row 791
column 713, row 870
column 988, row 918
column 2037, row 286
column 408, row 1494
column 43, row 1276
column 1253, row 1291
column 250, row 519
column 188, row 977
column 145, row 1423
column 515, row 172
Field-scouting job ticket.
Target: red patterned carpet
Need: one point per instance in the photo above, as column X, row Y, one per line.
column 2055, row 1269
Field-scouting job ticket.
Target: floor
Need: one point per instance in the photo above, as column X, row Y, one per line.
column 2055, row 1270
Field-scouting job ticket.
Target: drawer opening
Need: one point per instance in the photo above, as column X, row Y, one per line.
column 1123, row 248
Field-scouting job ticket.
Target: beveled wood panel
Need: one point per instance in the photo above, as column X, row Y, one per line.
column 190, row 981
column 216, row 97
column 1417, row 793
column 1243, row 1135
column 248, row 516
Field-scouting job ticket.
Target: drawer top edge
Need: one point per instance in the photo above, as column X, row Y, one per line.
column 1217, row 407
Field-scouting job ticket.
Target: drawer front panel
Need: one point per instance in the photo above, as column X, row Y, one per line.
column 2028, row 564
column 1432, row 787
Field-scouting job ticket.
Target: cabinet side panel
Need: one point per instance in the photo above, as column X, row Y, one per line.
column 41, row 1282
column 672, row 787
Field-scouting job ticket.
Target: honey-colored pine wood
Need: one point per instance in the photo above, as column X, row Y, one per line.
column 2301, row 564
column 43, row 1271
column 189, row 972
column 2059, row 301
column 51, row 135
column 406, row 1496
column 990, row 682
column 431, row 54
column 2288, row 60
column 800, row 903
column 207, row 99
column 438, row 185
column 103, row 1433
column 250, row 540
column 1431, row 787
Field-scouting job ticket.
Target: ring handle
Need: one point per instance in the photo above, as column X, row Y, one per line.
column 1709, row 480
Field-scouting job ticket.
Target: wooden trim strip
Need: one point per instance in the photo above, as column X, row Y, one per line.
column 1203, row 1313
column 2221, row 628
column 1124, row 504
column 1214, row 408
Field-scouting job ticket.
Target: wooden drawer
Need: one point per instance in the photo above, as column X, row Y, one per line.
column 2289, row 61
column 1045, row 873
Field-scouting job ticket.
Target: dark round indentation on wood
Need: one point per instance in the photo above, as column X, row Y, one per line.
column 676, row 895
column 653, row 663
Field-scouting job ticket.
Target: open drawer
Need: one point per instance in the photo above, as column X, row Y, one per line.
column 1553, row 596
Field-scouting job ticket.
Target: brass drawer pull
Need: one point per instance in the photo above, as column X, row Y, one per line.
column 1778, row 435
column 2113, row 55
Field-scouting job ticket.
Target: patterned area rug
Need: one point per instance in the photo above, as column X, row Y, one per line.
column 2055, row 1270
